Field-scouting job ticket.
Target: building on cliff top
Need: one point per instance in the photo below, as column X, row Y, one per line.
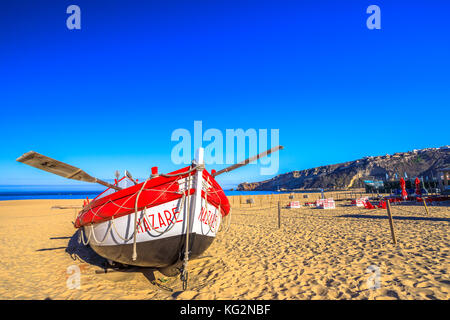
column 444, row 181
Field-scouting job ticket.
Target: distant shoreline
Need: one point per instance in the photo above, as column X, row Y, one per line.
column 79, row 194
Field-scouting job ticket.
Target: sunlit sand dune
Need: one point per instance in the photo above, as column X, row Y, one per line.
column 345, row 253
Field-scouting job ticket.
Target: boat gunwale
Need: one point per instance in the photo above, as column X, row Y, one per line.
column 157, row 182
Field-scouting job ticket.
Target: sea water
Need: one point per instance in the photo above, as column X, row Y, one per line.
column 22, row 192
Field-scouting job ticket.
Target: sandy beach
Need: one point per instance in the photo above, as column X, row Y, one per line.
column 316, row 254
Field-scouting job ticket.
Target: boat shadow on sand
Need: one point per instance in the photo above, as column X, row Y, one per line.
column 84, row 253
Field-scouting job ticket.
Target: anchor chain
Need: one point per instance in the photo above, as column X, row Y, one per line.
column 184, row 276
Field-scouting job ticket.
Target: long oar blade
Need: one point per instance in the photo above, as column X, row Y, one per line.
column 59, row 168
column 247, row 161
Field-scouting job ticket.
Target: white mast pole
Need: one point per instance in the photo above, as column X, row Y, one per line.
column 194, row 210
column 200, row 163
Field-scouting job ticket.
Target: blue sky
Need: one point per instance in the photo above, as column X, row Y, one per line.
column 110, row 95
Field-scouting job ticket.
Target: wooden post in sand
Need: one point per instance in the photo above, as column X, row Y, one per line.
column 425, row 205
column 391, row 222
column 279, row 214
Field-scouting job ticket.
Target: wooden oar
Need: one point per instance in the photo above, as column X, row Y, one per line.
column 62, row 169
column 247, row 161
column 67, row 207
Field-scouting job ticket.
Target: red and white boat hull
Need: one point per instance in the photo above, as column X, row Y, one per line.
column 161, row 233
column 148, row 224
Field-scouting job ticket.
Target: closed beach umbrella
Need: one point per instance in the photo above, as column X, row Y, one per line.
column 417, row 182
column 403, row 185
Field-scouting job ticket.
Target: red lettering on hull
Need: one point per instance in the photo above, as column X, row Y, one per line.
column 209, row 218
column 163, row 220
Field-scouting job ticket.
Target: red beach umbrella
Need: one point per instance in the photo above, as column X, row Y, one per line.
column 417, row 182
column 403, row 185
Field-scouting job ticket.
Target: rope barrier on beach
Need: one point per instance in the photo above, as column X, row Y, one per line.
column 255, row 209
column 403, row 210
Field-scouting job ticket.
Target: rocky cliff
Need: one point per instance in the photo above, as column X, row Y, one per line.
column 424, row 162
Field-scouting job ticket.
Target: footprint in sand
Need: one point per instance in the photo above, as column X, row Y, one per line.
column 319, row 290
column 118, row 276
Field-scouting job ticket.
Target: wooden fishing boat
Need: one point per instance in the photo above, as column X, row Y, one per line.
column 161, row 222
column 146, row 224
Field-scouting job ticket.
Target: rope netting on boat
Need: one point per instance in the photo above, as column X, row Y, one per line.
column 184, row 204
